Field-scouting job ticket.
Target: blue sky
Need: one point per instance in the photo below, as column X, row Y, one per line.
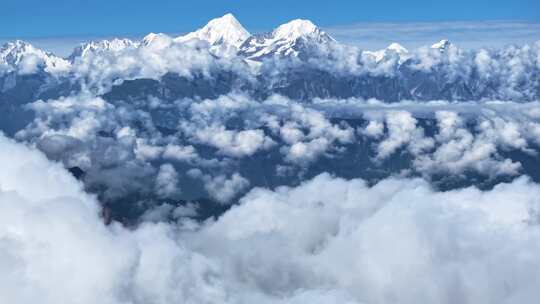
column 39, row 18
column 372, row 23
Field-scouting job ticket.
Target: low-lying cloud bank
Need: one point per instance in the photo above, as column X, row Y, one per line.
column 151, row 151
column 329, row 240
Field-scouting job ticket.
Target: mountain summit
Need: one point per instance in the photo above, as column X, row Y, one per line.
column 27, row 59
column 113, row 46
column 442, row 45
column 393, row 48
column 224, row 30
column 300, row 28
column 290, row 39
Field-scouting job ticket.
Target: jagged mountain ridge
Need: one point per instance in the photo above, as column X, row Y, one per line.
column 29, row 59
column 294, row 38
column 226, row 32
column 114, row 45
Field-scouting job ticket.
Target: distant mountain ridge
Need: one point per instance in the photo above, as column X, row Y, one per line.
column 297, row 59
column 290, row 39
column 114, row 45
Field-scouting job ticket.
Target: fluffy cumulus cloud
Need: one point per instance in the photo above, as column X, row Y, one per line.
column 121, row 146
column 167, row 181
column 342, row 233
column 234, row 143
column 340, row 241
column 460, row 149
column 221, row 188
column 401, row 130
column 55, row 247
column 455, row 138
column 152, row 58
column 306, row 134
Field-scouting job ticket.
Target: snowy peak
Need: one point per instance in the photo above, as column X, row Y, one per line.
column 298, row 28
column 155, row 41
column 27, row 59
column 398, row 48
column 290, row 39
column 114, row 46
column 148, row 39
column 13, row 52
column 392, row 50
column 223, row 30
column 442, row 45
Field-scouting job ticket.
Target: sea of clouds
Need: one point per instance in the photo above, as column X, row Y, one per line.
column 327, row 240
column 150, row 148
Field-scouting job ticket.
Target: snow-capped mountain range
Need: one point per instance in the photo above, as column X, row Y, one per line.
column 224, row 32
column 114, row 45
column 26, row 58
column 223, row 56
column 225, row 35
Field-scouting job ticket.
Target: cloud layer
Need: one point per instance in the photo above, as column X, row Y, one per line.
column 143, row 154
column 337, row 243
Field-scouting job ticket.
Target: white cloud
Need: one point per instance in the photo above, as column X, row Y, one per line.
column 223, row 188
column 116, row 141
column 329, row 240
column 305, row 152
column 459, row 149
column 167, row 182
column 308, row 133
column 179, row 153
column 333, row 232
column 402, row 131
column 234, row 143
column 373, row 129
column 30, row 64
column 99, row 71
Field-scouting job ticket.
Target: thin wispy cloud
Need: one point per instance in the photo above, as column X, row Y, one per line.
column 466, row 34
